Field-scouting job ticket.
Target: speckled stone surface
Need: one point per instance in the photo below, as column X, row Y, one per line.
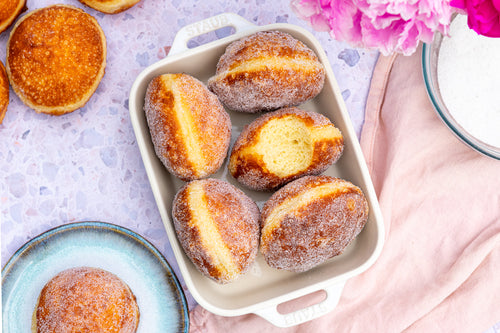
column 86, row 165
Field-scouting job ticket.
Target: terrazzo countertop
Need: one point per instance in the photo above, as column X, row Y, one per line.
column 86, row 165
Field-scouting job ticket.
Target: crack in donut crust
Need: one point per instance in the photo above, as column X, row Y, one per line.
column 185, row 123
column 210, row 237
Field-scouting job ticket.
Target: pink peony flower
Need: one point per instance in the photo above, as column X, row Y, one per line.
column 388, row 25
column 483, row 16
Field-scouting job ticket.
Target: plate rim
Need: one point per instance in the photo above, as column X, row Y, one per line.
column 117, row 229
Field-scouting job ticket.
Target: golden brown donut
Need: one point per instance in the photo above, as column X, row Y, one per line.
column 9, row 11
column 189, row 127
column 283, row 145
column 110, row 6
column 4, row 92
column 218, row 227
column 86, row 299
column 266, row 71
column 56, row 58
column 310, row 220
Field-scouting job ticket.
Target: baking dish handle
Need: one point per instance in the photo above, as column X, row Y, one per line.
column 300, row 316
column 213, row 23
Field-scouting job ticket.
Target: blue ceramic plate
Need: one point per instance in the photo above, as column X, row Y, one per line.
column 161, row 301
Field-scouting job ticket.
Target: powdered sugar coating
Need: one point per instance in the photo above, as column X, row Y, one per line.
column 233, row 217
column 302, row 226
column 189, row 127
column 86, row 299
column 249, row 167
column 266, row 71
column 56, row 58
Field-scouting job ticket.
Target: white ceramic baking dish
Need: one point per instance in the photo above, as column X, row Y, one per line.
column 262, row 289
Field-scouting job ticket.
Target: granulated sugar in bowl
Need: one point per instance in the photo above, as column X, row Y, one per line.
column 462, row 74
column 469, row 80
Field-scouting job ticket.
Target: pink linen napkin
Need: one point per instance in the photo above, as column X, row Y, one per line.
column 439, row 270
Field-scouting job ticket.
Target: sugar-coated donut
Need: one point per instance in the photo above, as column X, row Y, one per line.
column 310, row 220
column 110, row 6
column 218, row 227
column 86, row 299
column 56, row 57
column 4, row 92
column 266, row 71
column 189, row 127
column 9, row 11
column 283, row 145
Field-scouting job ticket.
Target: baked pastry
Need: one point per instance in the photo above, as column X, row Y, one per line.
column 189, row 127
column 56, row 58
column 283, row 145
column 311, row 220
column 4, row 92
column 86, row 299
column 266, row 71
column 110, row 6
column 217, row 225
column 9, row 11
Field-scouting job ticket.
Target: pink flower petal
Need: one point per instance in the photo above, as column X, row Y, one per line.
column 305, row 8
column 483, row 17
column 319, row 23
column 458, row 3
column 388, row 25
column 496, row 4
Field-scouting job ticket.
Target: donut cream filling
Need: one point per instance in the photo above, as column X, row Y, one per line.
column 185, row 122
column 303, row 65
column 211, row 239
column 287, row 144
